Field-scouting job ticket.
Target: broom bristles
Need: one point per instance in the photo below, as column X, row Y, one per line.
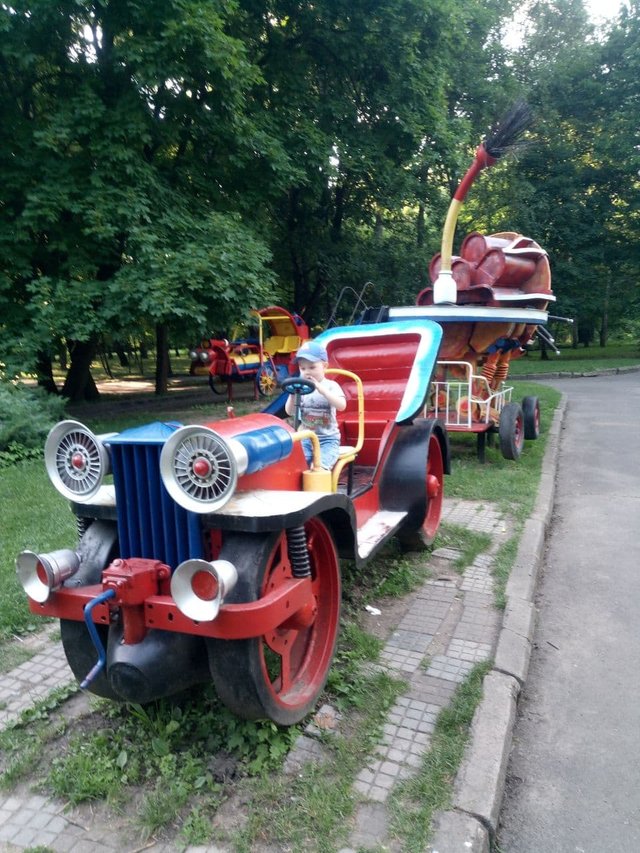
column 507, row 133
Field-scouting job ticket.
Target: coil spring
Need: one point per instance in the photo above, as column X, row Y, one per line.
column 298, row 552
column 502, row 371
column 489, row 370
column 82, row 525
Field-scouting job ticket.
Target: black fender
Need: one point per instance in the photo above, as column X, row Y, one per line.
column 403, row 483
column 334, row 504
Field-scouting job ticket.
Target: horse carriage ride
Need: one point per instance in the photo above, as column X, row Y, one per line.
column 262, row 351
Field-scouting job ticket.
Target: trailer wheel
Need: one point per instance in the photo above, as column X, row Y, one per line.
column 426, row 533
column 531, row 414
column 511, row 431
column 280, row 675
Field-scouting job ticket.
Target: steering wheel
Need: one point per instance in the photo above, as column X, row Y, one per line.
column 297, row 385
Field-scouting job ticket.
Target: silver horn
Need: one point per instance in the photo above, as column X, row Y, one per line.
column 199, row 588
column 39, row 574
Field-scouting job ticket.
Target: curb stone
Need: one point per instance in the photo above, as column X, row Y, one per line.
column 470, row 825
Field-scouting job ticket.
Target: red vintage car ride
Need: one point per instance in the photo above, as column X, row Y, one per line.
column 215, row 553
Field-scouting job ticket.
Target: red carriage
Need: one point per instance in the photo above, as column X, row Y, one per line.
column 502, row 291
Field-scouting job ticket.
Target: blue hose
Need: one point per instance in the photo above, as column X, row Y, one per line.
column 93, row 633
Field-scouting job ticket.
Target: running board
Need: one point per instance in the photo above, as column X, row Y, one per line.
column 377, row 529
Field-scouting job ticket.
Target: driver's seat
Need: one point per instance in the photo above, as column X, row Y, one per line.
column 348, row 453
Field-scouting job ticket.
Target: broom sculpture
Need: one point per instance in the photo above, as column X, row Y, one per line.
column 503, row 138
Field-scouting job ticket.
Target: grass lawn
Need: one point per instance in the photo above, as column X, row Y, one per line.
column 579, row 360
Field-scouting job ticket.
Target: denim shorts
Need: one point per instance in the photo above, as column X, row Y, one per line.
column 329, row 450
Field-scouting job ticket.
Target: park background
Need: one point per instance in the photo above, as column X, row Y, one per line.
column 165, row 167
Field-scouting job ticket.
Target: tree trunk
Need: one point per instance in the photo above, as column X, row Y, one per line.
column 44, row 372
column 604, row 325
column 162, row 359
column 61, row 349
column 123, row 358
column 79, row 385
column 420, row 226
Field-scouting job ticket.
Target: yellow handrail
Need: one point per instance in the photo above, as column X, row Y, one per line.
column 343, row 460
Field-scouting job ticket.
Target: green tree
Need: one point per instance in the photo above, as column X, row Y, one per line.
column 575, row 187
column 369, row 97
column 130, row 134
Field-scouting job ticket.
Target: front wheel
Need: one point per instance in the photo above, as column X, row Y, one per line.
column 280, row 675
column 217, row 384
column 97, row 548
column 531, row 415
column 511, row 431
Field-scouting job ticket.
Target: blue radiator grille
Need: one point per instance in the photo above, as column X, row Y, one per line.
column 150, row 524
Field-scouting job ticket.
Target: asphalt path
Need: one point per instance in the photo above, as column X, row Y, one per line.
column 573, row 782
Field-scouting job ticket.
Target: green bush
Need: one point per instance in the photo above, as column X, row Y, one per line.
column 26, row 416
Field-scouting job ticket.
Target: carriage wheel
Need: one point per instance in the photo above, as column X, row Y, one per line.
column 266, row 379
column 511, row 431
column 280, row 675
column 531, row 414
column 423, row 536
column 217, row 384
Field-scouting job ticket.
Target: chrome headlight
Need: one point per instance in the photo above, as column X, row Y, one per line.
column 76, row 460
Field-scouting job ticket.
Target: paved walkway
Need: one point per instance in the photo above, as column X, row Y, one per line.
column 451, row 623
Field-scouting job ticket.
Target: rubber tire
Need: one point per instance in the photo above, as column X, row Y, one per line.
column 217, row 385
column 239, row 668
column 511, row 431
column 531, row 414
column 78, row 646
column 424, row 536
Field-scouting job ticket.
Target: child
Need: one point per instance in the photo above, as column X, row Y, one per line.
column 318, row 409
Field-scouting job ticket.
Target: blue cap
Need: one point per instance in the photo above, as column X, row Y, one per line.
column 312, row 351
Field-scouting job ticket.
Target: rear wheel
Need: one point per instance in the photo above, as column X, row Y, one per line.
column 280, row 675
column 511, row 431
column 426, row 533
column 531, row 415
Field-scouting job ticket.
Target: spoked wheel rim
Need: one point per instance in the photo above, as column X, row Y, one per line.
column 280, row 675
column 295, row 661
column 435, row 491
column 267, row 380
